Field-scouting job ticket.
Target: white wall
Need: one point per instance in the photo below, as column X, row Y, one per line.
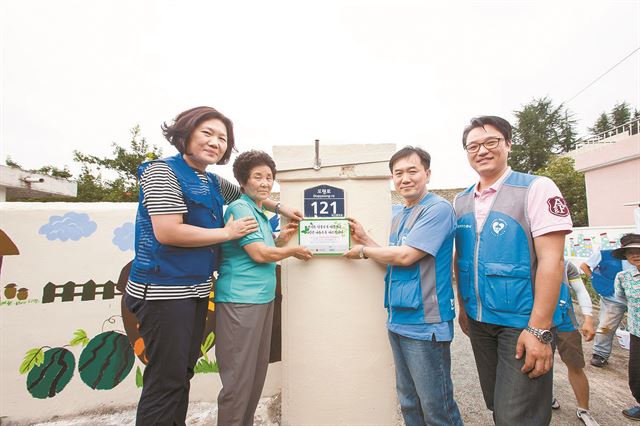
column 81, row 247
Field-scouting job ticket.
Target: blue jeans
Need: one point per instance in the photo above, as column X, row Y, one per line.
column 611, row 313
column 514, row 398
column 423, row 381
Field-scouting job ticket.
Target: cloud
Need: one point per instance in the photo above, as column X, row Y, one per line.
column 124, row 236
column 71, row 226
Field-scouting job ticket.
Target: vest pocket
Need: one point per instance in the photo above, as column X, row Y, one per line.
column 465, row 286
column 404, row 288
column 508, row 288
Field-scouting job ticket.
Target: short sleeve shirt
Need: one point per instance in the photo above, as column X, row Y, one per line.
column 433, row 234
column 544, row 205
column 627, row 285
column 241, row 279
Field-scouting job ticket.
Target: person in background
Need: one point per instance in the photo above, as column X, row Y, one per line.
column 178, row 231
column 245, row 292
column 569, row 340
column 627, row 288
column 602, row 268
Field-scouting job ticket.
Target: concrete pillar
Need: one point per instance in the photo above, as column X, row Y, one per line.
column 337, row 364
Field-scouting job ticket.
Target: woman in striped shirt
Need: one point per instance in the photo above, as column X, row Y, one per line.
column 179, row 226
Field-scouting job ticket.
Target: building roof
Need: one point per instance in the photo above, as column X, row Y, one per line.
column 19, row 184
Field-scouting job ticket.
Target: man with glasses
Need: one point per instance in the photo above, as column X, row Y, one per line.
column 509, row 267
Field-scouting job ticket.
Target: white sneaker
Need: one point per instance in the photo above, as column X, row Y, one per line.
column 555, row 404
column 586, row 418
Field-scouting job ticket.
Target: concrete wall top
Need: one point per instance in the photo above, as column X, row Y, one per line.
column 607, row 154
column 22, row 184
column 353, row 161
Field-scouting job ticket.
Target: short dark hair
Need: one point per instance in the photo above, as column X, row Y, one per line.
column 249, row 160
column 499, row 123
column 629, row 239
column 405, row 152
column 184, row 124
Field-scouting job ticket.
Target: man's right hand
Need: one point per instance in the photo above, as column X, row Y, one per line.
column 358, row 234
column 241, row 227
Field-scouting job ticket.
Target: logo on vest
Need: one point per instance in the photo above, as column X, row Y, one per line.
column 558, row 206
column 498, row 226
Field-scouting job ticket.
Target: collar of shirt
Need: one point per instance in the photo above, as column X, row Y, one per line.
column 422, row 200
column 635, row 272
column 494, row 187
column 253, row 204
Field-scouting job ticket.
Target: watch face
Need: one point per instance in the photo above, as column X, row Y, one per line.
column 546, row 336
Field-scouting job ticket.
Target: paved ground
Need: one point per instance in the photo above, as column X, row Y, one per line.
column 609, row 390
column 609, row 395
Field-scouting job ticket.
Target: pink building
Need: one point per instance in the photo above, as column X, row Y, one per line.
column 611, row 165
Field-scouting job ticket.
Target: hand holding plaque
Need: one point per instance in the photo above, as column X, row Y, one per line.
column 325, row 236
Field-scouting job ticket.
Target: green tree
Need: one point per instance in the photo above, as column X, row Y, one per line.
column 571, row 184
column 52, row 171
column 541, row 130
column 620, row 114
column 121, row 183
column 92, row 186
column 602, row 124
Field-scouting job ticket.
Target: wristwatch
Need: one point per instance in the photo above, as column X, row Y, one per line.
column 362, row 255
column 545, row 336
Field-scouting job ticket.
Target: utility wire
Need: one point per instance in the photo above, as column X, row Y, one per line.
column 602, row 75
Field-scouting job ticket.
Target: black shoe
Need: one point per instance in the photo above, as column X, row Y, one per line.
column 598, row 361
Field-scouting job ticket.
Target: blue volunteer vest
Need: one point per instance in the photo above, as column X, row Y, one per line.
column 422, row 292
column 497, row 264
column 603, row 275
column 565, row 310
column 162, row 264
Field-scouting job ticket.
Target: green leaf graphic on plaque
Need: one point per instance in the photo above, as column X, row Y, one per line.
column 106, row 361
column 49, row 378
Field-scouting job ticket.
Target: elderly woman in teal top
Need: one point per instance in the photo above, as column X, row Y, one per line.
column 245, row 291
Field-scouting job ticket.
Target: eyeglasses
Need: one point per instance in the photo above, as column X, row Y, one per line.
column 489, row 144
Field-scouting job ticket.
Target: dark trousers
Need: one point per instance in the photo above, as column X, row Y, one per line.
column 172, row 331
column 514, row 398
column 634, row 367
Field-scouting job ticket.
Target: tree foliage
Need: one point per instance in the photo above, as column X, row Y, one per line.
column 111, row 178
column 93, row 186
column 541, row 130
column 571, row 183
column 620, row 114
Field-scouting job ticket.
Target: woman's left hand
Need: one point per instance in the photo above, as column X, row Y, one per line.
column 286, row 233
column 290, row 213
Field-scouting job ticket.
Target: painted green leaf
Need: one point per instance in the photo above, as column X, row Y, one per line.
column 32, row 358
column 205, row 366
column 138, row 377
column 79, row 337
column 208, row 342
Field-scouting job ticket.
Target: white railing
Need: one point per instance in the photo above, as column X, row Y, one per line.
column 630, row 128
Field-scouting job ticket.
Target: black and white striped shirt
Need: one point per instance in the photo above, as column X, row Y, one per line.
column 163, row 195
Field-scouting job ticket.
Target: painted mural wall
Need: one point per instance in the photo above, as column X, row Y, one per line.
column 66, row 344
column 582, row 242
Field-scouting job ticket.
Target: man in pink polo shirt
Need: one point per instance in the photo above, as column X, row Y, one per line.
column 509, row 266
